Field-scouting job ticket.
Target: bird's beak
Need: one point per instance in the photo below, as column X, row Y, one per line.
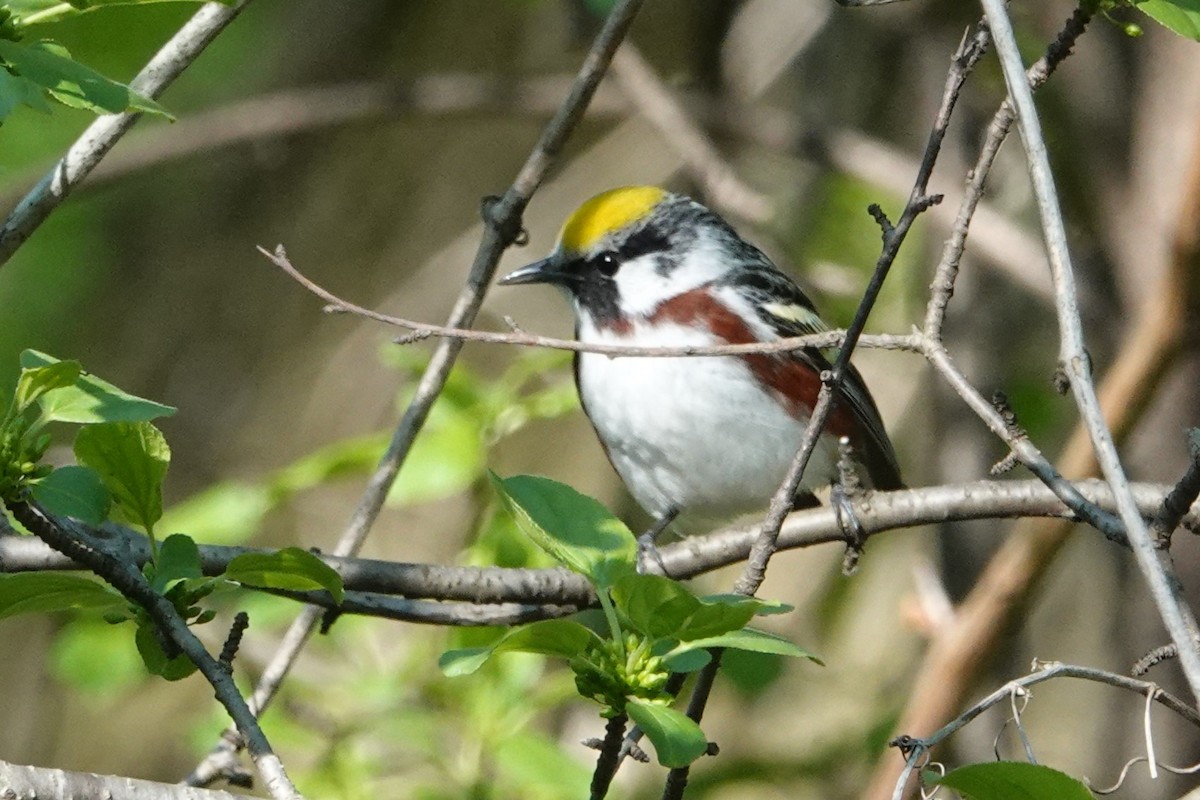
column 548, row 270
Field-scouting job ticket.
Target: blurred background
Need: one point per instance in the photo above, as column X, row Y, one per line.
column 364, row 141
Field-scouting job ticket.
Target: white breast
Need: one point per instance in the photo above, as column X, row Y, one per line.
column 697, row 434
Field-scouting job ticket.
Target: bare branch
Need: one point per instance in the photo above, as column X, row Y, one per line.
column 942, row 286
column 1182, row 496
column 963, row 61
column 916, row 748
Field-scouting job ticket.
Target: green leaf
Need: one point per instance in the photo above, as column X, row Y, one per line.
column 574, row 529
column 74, row 492
column 719, row 613
column 677, row 739
column 749, row 639
column 655, row 606
column 1181, row 16
column 178, row 560
column 659, row 607
column 49, row 65
column 688, row 660
column 291, row 568
column 1014, row 780
column 131, row 458
column 92, row 400
column 155, row 659
column 40, row 592
column 551, row 637
column 36, row 381
column 16, row 90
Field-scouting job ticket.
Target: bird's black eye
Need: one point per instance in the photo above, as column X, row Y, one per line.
column 608, row 263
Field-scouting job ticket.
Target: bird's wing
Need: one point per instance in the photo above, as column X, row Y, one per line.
column 782, row 305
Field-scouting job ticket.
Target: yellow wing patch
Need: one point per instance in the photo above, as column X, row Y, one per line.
column 606, row 213
column 797, row 315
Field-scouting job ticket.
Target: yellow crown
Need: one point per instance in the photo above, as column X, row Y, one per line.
column 607, row 212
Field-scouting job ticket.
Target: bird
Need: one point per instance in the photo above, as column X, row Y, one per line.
column 699, row 439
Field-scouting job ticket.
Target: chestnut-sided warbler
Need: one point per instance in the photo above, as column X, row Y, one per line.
column 708, row 437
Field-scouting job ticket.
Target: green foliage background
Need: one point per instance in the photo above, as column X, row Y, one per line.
column 149, row 277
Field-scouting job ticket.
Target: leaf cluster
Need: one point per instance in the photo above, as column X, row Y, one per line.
column 648, row 626
column 122, row 462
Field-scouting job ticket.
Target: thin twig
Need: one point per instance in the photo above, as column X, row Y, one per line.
column 520, row 338
column 677, row 778
column 1073, row 357
column 1181, row 497
column 87, row 151
column 610, row 755
column 766, row 543
column 942, row 286
column 502, row 227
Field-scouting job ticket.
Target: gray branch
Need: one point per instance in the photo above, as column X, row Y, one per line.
column 482, row 592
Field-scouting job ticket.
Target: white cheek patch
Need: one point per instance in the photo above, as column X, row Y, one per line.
column 642, row 288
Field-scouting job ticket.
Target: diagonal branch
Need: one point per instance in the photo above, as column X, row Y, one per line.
column 502, row 219
column 126, row 578
column 765, row 545
column 1074, row 359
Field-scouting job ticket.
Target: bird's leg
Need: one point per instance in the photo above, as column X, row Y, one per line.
column 852, row 529
column 647, row 551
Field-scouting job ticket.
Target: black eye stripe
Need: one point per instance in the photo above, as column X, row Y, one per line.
column 648, row 240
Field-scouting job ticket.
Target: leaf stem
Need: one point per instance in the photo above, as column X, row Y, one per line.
column 610, row 614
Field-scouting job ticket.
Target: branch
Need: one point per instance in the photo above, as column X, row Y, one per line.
column 963, row 648
column 126, row 578
column 1073, row 354
column 963, row 61
column 696, row 555
column 37, row 783
column 502, row 227
column 95, row 142
column 424, row 330
column 942, row 287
